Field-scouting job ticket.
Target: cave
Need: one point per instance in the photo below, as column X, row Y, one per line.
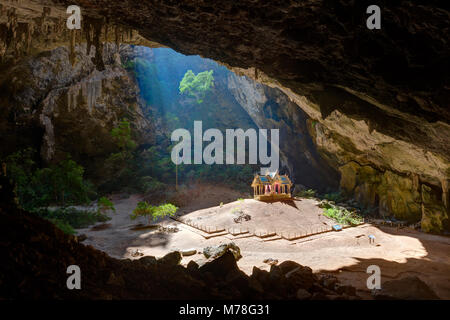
column 88, row 176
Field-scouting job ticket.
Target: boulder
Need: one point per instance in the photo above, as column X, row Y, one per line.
column 261, row 276
column 217, row 251
column 148, row 260
column 302, row 294
column 329, row 282
column 270, row 261
column 172, row 258
column 348, row 290
column 188, row 252
column 192, row 266
column 275, row 273
column 221, row 266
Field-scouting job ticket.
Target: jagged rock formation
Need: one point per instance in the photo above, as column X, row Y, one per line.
column 29, row 27
column 272, row 109
column 71, row 108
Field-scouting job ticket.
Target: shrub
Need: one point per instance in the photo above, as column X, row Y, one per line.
column 342, row 216
column 122, row 136
column 145, row 209
column 62, row 225
column 70, row 216
column 104, row 204
column 334, row 196
column 310, row 193
column 150, row 184
column 60, row 183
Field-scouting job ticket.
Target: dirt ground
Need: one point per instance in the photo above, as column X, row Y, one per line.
column 346, row 253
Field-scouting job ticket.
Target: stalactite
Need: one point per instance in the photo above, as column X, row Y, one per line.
column 117, row 37
column 91, row 91
column 98, row 59
column 87, row 27
column 106, row 32
column 415, row 181
column 445, row 194
column 72, row 55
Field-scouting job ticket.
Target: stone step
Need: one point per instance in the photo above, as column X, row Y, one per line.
column 202, row 227
column 202, row 233
column 264, row 234
column 273, row 238
column 237, row 231
column 241, row 236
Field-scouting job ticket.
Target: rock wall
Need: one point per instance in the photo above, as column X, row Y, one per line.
column 272, row 109
column 72, row 108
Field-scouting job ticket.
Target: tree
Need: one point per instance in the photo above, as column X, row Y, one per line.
column 104, row 204
column 122, row 136
column 60, row 183
column 118, row 162
column 145, row 209
column 197, row 86
column 64, row 180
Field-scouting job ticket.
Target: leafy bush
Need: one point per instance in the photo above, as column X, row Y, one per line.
column 65, row 181
column 60, row 183
column 122, row 165
column 62, row 225
column 150, row 184
column 104, row 204
column 342, row 216
column 310, row 193
column 334, row 196
column 71, row 216
column 122, row 136
column 145, row 209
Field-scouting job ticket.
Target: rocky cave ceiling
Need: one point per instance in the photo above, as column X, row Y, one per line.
column 384, row 90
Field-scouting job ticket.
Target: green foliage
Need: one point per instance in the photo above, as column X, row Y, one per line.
column 197, row 86
column 122, row 136
column 62, row 225
column 121, row 165
column 334, row 196
column 342, row 215
column 145, row 209
column 150, row 184
column 69, row 216
column 165, row 210
column 310, row 193
column 66, row 181
column 60, row 183
column 104, row 205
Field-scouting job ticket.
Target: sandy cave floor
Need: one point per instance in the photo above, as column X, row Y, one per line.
column 346, row 254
